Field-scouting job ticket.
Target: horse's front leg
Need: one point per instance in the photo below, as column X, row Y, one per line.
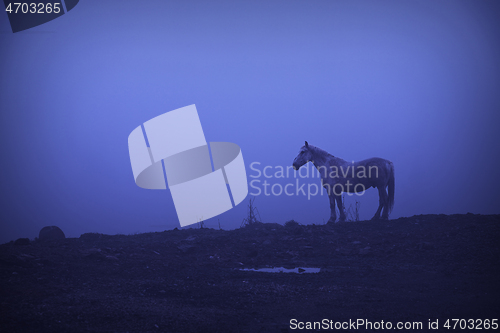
column 333, row 214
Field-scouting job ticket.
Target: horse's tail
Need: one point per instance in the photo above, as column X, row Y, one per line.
column 391, row 184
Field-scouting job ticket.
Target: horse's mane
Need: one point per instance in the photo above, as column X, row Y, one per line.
column 321, row 152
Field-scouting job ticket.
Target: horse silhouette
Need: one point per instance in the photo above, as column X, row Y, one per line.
column 338, row 176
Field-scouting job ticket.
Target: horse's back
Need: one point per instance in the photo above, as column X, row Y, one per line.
column 376, row 168
column 375, row 160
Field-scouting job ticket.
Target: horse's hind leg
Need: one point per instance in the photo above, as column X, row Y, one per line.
column 382, row 202
column 385, row 211
column 333, row 215
column 341, row 208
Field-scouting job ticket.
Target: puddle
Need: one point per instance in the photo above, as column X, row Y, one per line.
column 299, row 270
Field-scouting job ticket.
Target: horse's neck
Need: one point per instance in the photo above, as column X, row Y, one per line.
column 324, row 161
column 320, row 160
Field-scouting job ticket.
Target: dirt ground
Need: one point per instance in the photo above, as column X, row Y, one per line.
column 409, row 270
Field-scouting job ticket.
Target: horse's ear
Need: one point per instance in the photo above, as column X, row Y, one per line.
column 307, row 145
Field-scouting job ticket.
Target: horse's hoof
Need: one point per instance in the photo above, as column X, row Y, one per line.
column 385, row 218
column 375, row 218
column 330, row 221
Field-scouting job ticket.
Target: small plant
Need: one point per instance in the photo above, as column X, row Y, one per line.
column 252, row 215
column 352, row 213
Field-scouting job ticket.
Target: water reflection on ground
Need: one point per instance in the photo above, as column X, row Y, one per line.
column 299, row 270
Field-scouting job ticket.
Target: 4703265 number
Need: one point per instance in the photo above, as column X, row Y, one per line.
column 471, row 324
column 33, row 8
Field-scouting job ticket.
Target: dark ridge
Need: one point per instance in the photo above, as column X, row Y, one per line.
column 408, row 269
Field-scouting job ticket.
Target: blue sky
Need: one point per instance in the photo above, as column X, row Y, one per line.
column 416, row 82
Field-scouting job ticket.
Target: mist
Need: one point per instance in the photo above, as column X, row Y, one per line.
column 414, row 82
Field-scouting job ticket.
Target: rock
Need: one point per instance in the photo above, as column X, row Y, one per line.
column 25, row 257
column 51, row 233
column 365, row 250
column 90, row 236
column 92, row 253
column 291, row 223
column 425, row 246
column 253, row 254
column 22, row 241
column 185, row 247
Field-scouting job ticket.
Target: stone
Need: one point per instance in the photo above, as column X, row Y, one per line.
column 22, row 241
column 366, row 250
column 51, row 233
column 185, row 247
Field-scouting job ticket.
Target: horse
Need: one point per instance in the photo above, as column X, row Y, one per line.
column 338, row 176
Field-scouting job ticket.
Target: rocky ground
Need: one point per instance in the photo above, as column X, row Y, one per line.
column 428, row 267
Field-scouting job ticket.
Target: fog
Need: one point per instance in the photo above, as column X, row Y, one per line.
column 414, row 82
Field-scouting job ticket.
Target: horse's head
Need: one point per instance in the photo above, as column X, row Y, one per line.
column 304, row 156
